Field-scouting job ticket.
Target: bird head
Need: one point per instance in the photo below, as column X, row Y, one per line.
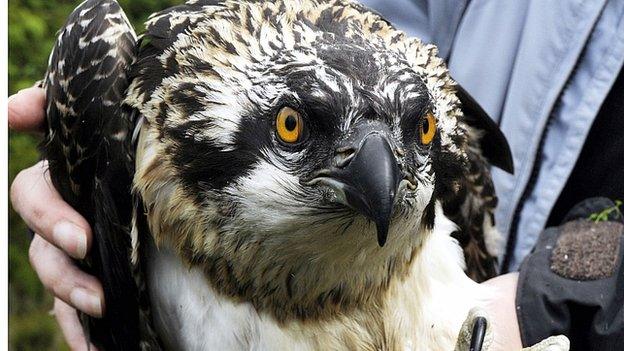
column 344, row 141
column 295, row 151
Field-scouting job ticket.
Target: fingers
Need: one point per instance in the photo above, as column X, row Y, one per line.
column 27, row 110
column 64, row 280
column 67, row 319
column 45, row 212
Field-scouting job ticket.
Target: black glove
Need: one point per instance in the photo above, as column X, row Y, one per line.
column 572, row 283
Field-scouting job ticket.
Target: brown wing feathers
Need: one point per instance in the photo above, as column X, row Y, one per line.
column 90, row 158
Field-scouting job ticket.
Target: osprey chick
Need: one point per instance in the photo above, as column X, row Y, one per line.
column 294, row 170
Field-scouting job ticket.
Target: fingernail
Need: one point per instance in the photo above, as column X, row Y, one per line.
column 71, row 238
column 86, row 301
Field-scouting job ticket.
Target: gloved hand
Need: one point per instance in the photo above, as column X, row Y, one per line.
column 572, row 282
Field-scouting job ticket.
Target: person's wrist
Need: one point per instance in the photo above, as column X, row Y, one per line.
column 501, row 309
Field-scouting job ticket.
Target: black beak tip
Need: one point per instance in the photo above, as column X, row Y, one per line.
column 382, row 233
column 370, row 179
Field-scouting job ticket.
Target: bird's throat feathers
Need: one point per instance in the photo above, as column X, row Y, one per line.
column 422, row 310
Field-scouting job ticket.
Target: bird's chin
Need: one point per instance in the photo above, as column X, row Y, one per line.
column 337, row 198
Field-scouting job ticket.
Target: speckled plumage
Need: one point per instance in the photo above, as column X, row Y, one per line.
column 90, row 155
column 216, row 188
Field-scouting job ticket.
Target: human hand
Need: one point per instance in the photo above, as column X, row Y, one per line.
column 502, row 319
column 493, row 325
column 61, row 232
column 501, row 310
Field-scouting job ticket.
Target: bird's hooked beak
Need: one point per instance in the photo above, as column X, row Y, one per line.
column 365, row 175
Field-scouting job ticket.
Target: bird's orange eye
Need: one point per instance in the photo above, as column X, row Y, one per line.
column 289, row 125
column 427, row 129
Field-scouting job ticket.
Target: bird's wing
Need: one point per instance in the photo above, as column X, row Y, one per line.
column 472, row 209
column 88, row 147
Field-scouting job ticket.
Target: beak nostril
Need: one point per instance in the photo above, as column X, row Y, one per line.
column 366, row 179
column 343, row 156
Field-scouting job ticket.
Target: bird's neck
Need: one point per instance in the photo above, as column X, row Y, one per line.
column 424, row 310
column 420, row 310
column 435, row 298
column 329, row 274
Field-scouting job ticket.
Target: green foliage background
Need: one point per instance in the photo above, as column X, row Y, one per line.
column 32, row 28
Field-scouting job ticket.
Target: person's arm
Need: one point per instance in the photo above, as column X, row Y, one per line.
column 61, row 233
